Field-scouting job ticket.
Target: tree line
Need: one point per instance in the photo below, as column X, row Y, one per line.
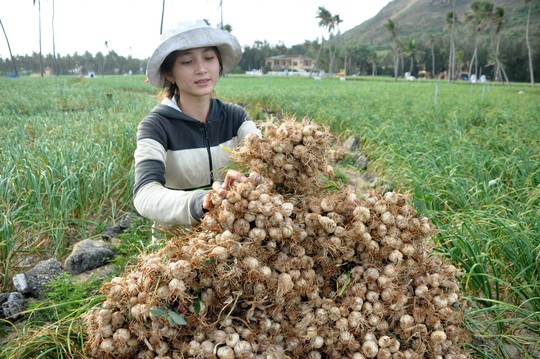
column 475, row 44
column 448, row 55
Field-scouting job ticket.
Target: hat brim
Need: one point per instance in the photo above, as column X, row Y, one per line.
column 227, row 44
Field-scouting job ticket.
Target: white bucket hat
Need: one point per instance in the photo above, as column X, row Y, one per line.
column 190, row 35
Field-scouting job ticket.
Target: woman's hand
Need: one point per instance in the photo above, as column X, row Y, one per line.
column 222, row 188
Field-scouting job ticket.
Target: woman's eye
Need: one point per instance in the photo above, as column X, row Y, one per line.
column 187, row 62
column 210, row 58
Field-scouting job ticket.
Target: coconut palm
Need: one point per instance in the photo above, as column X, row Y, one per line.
column 392, row 27
column 9, row 48
column 372, row 58
column 55, row 66
column 328, row 21
column 529, row 52
column 409, row 48
column 40, row 53
column 324, row 17
column 105, row 57
column 221, row 13
column 498, row 19
column 478, row 19
column 401, row 53
column 431, row 43
column 451, row 20
column 336, row 20
column 162, row 15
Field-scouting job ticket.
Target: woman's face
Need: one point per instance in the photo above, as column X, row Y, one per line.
column 196, row 71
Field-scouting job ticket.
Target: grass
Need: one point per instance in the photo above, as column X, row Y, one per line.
column 53, row 326
column 66, row 155
column 468, row 156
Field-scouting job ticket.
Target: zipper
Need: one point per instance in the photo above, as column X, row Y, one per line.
column 205, row 127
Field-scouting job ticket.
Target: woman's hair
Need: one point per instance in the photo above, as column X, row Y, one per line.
column 170, row 89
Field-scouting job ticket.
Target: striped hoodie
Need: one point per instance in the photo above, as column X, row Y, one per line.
column 178, row 157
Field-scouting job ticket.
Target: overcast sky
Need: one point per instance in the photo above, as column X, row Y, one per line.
column 131, row 27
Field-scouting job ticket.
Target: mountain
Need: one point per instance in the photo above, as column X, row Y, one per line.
column 419, row 19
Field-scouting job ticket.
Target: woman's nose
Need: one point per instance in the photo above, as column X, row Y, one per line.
column 200, row 68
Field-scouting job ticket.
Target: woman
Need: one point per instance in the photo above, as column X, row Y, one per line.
column 182, row 144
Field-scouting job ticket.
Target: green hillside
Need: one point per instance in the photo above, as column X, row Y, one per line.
column 417, row 19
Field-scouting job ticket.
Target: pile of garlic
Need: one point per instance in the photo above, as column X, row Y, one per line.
column 292, row 155
column 299, row 273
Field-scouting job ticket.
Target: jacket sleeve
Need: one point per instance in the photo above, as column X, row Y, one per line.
column 173, row 207
column 247, row 126
column 151, row 198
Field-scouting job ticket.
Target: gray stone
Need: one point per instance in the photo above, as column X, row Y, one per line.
column 13, row 305
column 41, row 274
column 117, row 229
column 361, row 162
column 352, row 144
column 20, row 283
column 88, row 254
column 370, row 178
column 3, row 298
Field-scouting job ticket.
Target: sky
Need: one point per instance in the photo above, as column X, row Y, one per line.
column 132, row 27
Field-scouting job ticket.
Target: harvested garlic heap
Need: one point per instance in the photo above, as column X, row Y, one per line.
column 298, row 273
column 292, row 155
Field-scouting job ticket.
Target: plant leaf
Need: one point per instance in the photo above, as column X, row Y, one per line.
column 197, row 305
column 176, row 318
column 345, row 284
column 197, row 302
column 157, row 311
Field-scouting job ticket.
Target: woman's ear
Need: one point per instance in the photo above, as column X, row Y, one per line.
column 169, row 78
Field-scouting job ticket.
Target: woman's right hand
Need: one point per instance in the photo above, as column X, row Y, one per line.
column 222, row 188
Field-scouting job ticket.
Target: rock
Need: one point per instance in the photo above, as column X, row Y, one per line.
column 117, row 229
column 88, row 254
column 20, row 283
column 42, row 274
column 352, row 144
column 3, row 298
column 13, row 305
column 361, row 162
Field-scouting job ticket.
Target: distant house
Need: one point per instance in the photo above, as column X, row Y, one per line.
column 290, row 62
column 47, row 72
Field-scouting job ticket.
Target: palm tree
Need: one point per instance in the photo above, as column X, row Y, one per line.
column 162, row 15
column 105, row 57
column 372, row 58
column 40, row 53
column 431, row 43
column 409, row 48
column 478, row 18
column 531, row 70
column 221, row 11
column 324, row 17
column 392, row 27
column 9, row 48
column 498, row 20
column 401, row 51
column 451, row 20
column 328, row 21
column 336, row 20
column 55, row 66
